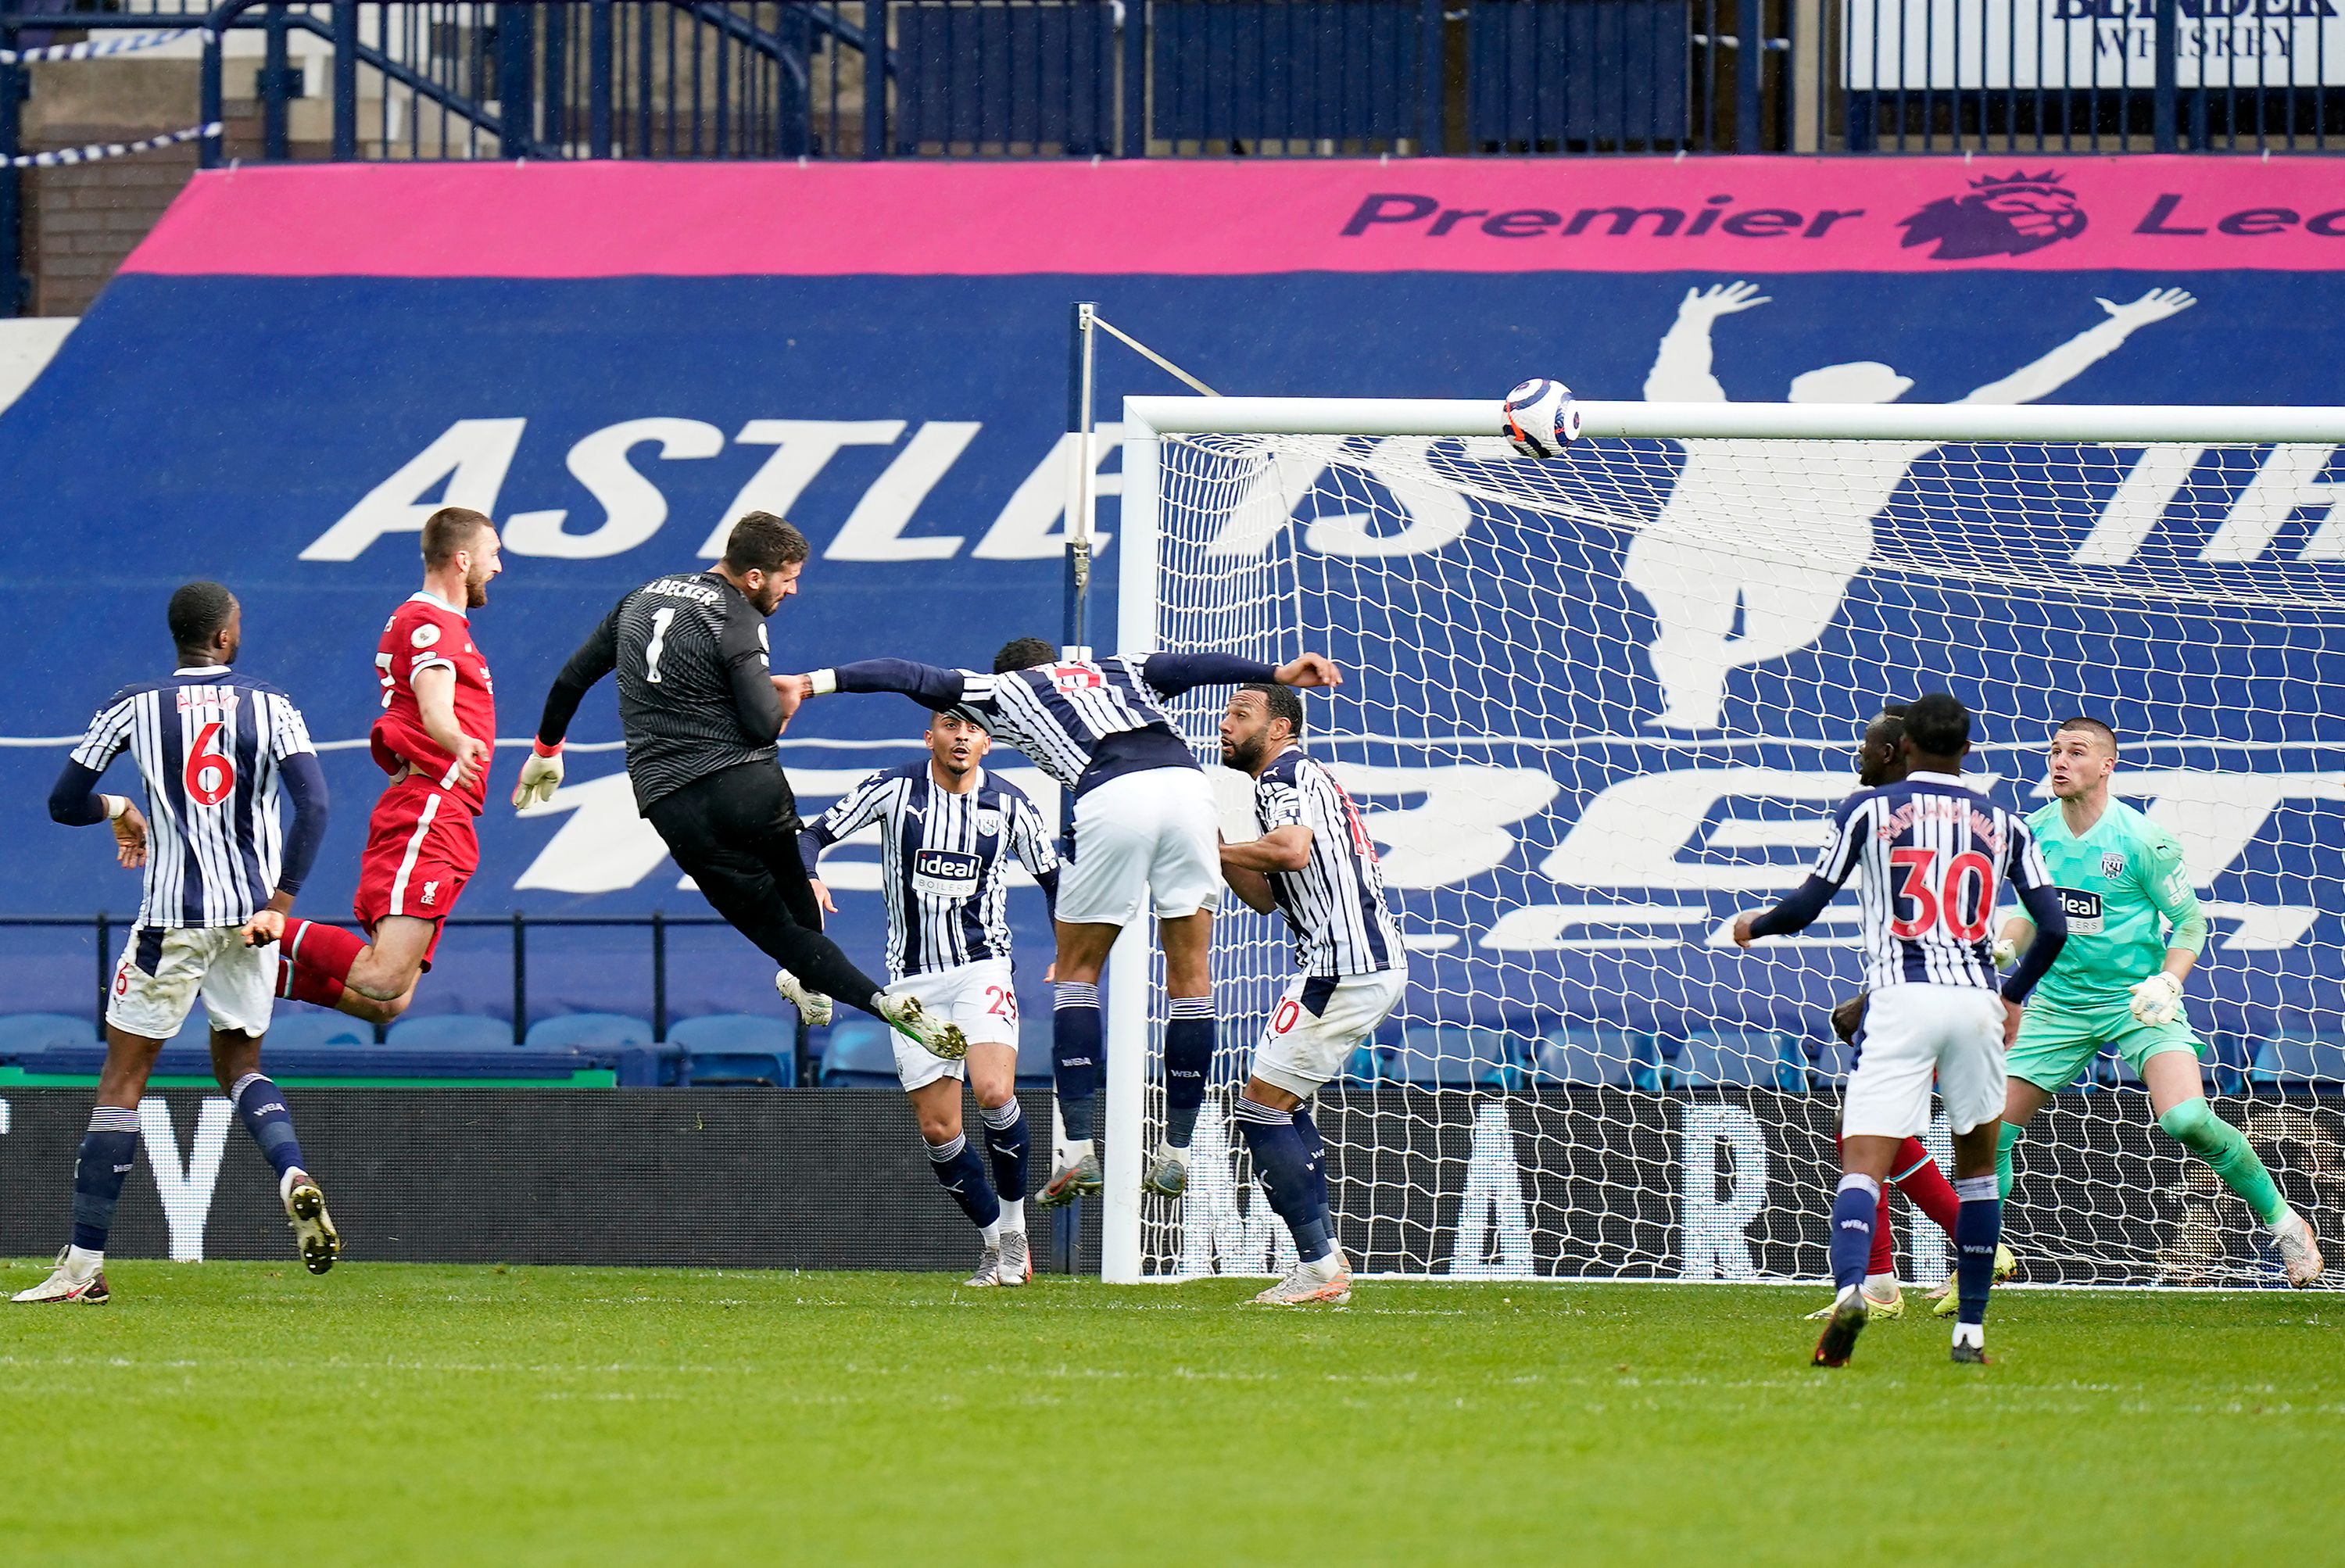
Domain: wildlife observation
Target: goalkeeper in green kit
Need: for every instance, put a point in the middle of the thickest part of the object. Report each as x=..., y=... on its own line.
x=2118, y=982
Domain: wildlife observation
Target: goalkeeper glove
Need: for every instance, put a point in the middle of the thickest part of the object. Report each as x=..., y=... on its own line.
x=2005, y=950
x=540, y=775
x=2157, y=999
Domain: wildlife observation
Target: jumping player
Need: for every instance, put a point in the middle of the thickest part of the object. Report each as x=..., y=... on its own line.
x=1145, y=829
x=1314, y=864
x=2118, y=983
x=947, y=832
x=701, y=712
x=436, y=737
x=1934, y=852
x=216, y=750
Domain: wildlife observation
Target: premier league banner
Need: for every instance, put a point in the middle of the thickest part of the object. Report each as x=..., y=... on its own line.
x=615, y=360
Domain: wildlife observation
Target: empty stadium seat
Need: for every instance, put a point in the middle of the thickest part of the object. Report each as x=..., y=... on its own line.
x=2301, y=1063
x=309, y=1029
x=1459, y=1058
x=862, y=1054
x=40, y=1031
x=735, y=1048
x=1588, y=1057
x=1743, y=1059
x=590, y=1032
x=1035, y=1068
x=2224, y=1071
x=1369, y=1066
x=451, y=1031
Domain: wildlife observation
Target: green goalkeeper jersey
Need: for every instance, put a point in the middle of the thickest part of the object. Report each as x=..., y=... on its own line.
x=2122, y=882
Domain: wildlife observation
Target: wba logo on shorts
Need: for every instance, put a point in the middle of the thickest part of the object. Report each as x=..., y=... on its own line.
x=945, y=873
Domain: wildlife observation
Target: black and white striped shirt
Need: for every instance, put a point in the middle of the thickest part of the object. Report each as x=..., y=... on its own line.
x=208, y=743
x=944, y=861
x=1335, y=902
x=1082, y=720
x=1935, y=856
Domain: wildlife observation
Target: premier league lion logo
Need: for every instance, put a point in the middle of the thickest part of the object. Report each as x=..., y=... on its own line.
x=2003, y=215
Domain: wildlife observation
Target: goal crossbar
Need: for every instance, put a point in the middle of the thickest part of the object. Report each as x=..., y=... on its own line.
x=2115, y=423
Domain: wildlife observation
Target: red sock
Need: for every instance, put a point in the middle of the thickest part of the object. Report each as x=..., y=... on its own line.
x=1885, y=1243
x=314, y=960
x=1926, y=1185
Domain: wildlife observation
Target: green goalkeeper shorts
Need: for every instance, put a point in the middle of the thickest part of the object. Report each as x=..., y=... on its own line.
x=2056, y=1044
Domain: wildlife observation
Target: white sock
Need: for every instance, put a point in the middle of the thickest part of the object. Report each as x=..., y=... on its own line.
x=1078, y=1150
x=992, y=1233
x=1013, y=1215
x=1880, y=1286
x=81, y=1263
x=1328, y=1267
x=1178, y=1155
x=1972, y=1334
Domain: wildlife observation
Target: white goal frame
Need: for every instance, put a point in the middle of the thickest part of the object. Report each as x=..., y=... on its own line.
x=1146, y=420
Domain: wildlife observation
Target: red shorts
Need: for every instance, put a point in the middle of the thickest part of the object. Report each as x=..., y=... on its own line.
x=420, y=851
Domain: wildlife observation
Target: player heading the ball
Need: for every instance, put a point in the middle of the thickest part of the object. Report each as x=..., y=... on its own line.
x=1934, y=853
x=1146, y=827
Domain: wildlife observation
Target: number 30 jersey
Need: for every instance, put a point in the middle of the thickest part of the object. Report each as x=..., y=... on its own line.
x=208, y=743
x=1935, y=855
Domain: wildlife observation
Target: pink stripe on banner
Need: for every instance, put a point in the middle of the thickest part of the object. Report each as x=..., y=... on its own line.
x=1199, y=217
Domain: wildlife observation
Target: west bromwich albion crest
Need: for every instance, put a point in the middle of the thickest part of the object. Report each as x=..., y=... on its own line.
x=2113, y=865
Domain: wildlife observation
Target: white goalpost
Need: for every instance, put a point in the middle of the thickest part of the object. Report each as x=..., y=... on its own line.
x=1595, y=704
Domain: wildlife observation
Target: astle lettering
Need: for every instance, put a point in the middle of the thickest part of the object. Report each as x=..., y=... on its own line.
x=1608, y=222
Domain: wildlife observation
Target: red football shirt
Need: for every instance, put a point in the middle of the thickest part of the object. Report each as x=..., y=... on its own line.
x=422, y=633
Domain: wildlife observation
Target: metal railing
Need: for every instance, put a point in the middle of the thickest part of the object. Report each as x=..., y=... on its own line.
x=105, y=928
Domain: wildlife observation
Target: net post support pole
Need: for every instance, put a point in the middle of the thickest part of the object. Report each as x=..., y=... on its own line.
x=1129, y=972
x=1080, y=463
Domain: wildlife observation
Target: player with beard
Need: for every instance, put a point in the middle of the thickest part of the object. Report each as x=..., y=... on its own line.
x=435, y=737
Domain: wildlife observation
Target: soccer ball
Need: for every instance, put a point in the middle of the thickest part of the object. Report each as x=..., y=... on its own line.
x=1540, y=418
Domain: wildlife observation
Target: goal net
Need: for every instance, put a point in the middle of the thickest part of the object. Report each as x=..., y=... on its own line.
x=1595, y=705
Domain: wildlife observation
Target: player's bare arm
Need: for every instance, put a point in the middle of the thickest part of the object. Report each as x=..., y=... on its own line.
x=129, y=831
x=1287, y=848
x=435, y=699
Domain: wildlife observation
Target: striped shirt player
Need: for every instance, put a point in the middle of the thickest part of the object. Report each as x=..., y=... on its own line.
x=1145, y=829
x=949, y=831
x=219, y=752
x=1931, y=856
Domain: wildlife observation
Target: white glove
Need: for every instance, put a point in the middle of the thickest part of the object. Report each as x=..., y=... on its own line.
x=2157, y=999
x=540, y=775
x=2005, y=950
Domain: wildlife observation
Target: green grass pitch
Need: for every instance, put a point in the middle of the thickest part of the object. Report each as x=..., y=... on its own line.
x=392, y=1413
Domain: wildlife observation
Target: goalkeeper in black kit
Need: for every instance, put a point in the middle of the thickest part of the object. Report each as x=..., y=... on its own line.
x=701, y=712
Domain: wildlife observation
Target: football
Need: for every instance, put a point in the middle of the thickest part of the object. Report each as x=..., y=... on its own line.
x=1541, y=417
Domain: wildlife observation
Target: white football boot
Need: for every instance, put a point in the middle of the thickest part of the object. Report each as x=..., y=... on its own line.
x=1328, y=1281
x=938, y=1036
x=2300, y=1249
x=1017, y=1259
x=814, y=1007
x=66, y=1285
x=313, y=1228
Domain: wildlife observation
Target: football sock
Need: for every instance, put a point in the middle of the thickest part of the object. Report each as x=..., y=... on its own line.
x=263, y=1111
x=1283, y=1161
x=1009, y=1145
x=1925, y=1185
x=1075, y=1032
x=961, y=1173
x=2195, y=1125
x=1315, y=1153
x=2005, y=1142
x=1188, y=1061
x=1851, y=1232
x=1978, y=1228
x=314, y=961
x=109, y=1149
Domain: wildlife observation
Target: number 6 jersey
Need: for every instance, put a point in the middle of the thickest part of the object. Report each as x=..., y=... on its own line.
x=208, y=743
x=1935, y=855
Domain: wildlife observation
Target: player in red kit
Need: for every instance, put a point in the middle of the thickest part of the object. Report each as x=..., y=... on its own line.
x=436, y=738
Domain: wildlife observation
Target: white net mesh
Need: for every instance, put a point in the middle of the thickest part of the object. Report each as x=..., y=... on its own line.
x=1596, y=704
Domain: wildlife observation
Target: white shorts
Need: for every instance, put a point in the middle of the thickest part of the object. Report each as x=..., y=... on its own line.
x=1155, y=832
x=1319, y=1023
x=982, y=998
x=1912, y=1033
x=161, y=973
